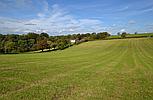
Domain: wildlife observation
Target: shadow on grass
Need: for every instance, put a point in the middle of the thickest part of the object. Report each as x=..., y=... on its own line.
x=45, y=51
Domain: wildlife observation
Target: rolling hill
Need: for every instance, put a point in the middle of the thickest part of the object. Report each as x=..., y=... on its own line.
x=104, y=70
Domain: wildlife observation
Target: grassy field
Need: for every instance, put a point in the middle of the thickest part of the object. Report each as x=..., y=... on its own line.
x=139, y=35
x=132, y=36
x=98, y=70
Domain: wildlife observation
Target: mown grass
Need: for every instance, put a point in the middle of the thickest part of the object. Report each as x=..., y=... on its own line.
x=139, y=35
x=142, y=35
x=97, y=70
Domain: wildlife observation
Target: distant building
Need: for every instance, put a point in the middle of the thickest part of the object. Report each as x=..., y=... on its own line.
x=72, y=41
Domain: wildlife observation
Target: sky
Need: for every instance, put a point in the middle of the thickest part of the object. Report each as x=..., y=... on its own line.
x=61, y=17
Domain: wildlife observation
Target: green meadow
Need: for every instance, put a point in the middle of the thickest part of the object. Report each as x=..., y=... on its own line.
x=97, y=70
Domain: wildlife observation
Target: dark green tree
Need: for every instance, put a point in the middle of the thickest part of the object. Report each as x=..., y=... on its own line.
x=118, y=33
x=44, y=35
x=42, y=44
x=9, y=47
x=123, y=35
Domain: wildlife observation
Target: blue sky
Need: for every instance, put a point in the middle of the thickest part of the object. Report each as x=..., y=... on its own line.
x=58, y=17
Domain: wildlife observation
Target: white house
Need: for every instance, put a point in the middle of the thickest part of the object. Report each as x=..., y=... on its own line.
x=72, y=41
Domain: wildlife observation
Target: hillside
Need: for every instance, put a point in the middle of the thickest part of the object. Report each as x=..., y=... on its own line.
x=104, y=69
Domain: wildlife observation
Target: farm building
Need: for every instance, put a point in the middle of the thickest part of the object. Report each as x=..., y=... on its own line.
x=72, y=41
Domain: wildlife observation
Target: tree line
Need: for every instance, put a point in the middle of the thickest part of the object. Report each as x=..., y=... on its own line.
x=14, y=43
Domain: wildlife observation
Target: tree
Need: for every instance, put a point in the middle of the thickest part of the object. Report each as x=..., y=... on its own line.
x=136, y=33
x=9, y=47
x=22, y=46
x=32, y=36
x=93, y=36
x=123, y=35
x=54, y=45
x=2, y=43
x=44, y=35
x=1, y=37
x=1, y=47
x=42, y=44
x=102, y=35
x=30, y=43
x=118, y=33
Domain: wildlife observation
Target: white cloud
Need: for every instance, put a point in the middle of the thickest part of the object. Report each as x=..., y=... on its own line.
x=45, y=10
x=40, y=15
x=148, y=10
x=132, y=22
x=123, y=9
x=53, y=21
x=122, y=30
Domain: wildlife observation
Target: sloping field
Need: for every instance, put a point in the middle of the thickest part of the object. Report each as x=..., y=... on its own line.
x=102, y=70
